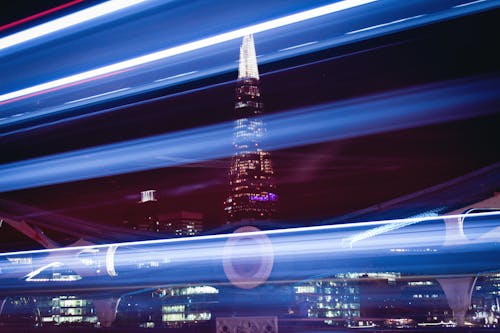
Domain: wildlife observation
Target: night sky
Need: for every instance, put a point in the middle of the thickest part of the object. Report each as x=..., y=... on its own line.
x=315, y=181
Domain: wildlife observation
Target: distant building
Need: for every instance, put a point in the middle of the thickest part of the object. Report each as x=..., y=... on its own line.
x=335, y=300
x=393, y=300
x=252, y=194
x=66, y=311
x=188, y=305
x=147, y=211
x=485, y=305
x=18, y=311
x=139, y=309
x=379, y=295
x=424, y=301
x=383, y=299
x=180, y=223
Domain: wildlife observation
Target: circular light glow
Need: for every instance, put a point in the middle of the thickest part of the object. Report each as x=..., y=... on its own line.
x=110, y=260
x=248, y=259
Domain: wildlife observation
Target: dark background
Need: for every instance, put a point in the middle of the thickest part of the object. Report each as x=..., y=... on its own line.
x=315, y=181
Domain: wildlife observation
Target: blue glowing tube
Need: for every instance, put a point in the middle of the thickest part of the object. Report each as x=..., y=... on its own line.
x=406, y=108
x=272, y=24
x=249, y=258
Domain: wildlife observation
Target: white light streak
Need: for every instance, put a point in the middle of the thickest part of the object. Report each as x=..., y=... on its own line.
x=405, y=108
x=297, y=46
x=95, y=96
x=384, y=24
x=175, y=76
x=284, y=232
x=389, y=227
x=66, y=22
x=188, y=47
x=468, y=3
x=31, y=277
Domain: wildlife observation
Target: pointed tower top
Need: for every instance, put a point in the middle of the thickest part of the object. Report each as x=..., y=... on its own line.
x=248, y=59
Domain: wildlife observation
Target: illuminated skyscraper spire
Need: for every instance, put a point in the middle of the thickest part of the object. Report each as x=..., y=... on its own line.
x=248, y=59
x=252, y=194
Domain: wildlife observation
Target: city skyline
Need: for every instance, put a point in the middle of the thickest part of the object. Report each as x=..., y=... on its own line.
x=335, y=177
x=283, y=167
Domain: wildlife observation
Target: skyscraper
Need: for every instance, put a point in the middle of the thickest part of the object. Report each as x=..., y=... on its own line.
x=252, y=194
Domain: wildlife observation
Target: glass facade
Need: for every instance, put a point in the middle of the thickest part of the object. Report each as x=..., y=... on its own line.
x=334, y=300
x=66, y=310
x=485, y=303
x=186, y=306
x=251, y=177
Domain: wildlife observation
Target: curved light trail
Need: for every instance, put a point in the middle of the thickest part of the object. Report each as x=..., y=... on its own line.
x=147, y=70
x=170, y=52
x=407, y=108
x=295, y=253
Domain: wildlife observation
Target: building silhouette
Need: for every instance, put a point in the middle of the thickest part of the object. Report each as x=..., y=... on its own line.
x=173, y=224
x=147, y=212
x=252, y=194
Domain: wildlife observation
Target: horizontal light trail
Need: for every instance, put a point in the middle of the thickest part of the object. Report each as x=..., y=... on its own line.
x=175, y=76
x=67, y=21
x=294, y=253
x=298, y=46
x=425, y=105
x=96, y=96
x=188, y=47
x=349, y=227
x=199, y=75
x=468, y=3
x=69, y=84
x=377, y=231
x=222, y=68
x=384, y=24
x=39, y=15
x=62, y=108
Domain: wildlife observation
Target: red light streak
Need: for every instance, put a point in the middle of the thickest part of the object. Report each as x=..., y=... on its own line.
x=38, y=15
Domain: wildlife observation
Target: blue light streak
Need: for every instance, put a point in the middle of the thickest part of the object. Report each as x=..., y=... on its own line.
x=312, y=250
x=350, y=227
x=309, y=37
x=385, y=24
x=65, y=22
x=424, y=105
x=187, y=47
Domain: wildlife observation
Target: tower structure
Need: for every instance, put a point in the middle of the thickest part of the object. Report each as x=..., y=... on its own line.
x=252, y=194
x=147, y=211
